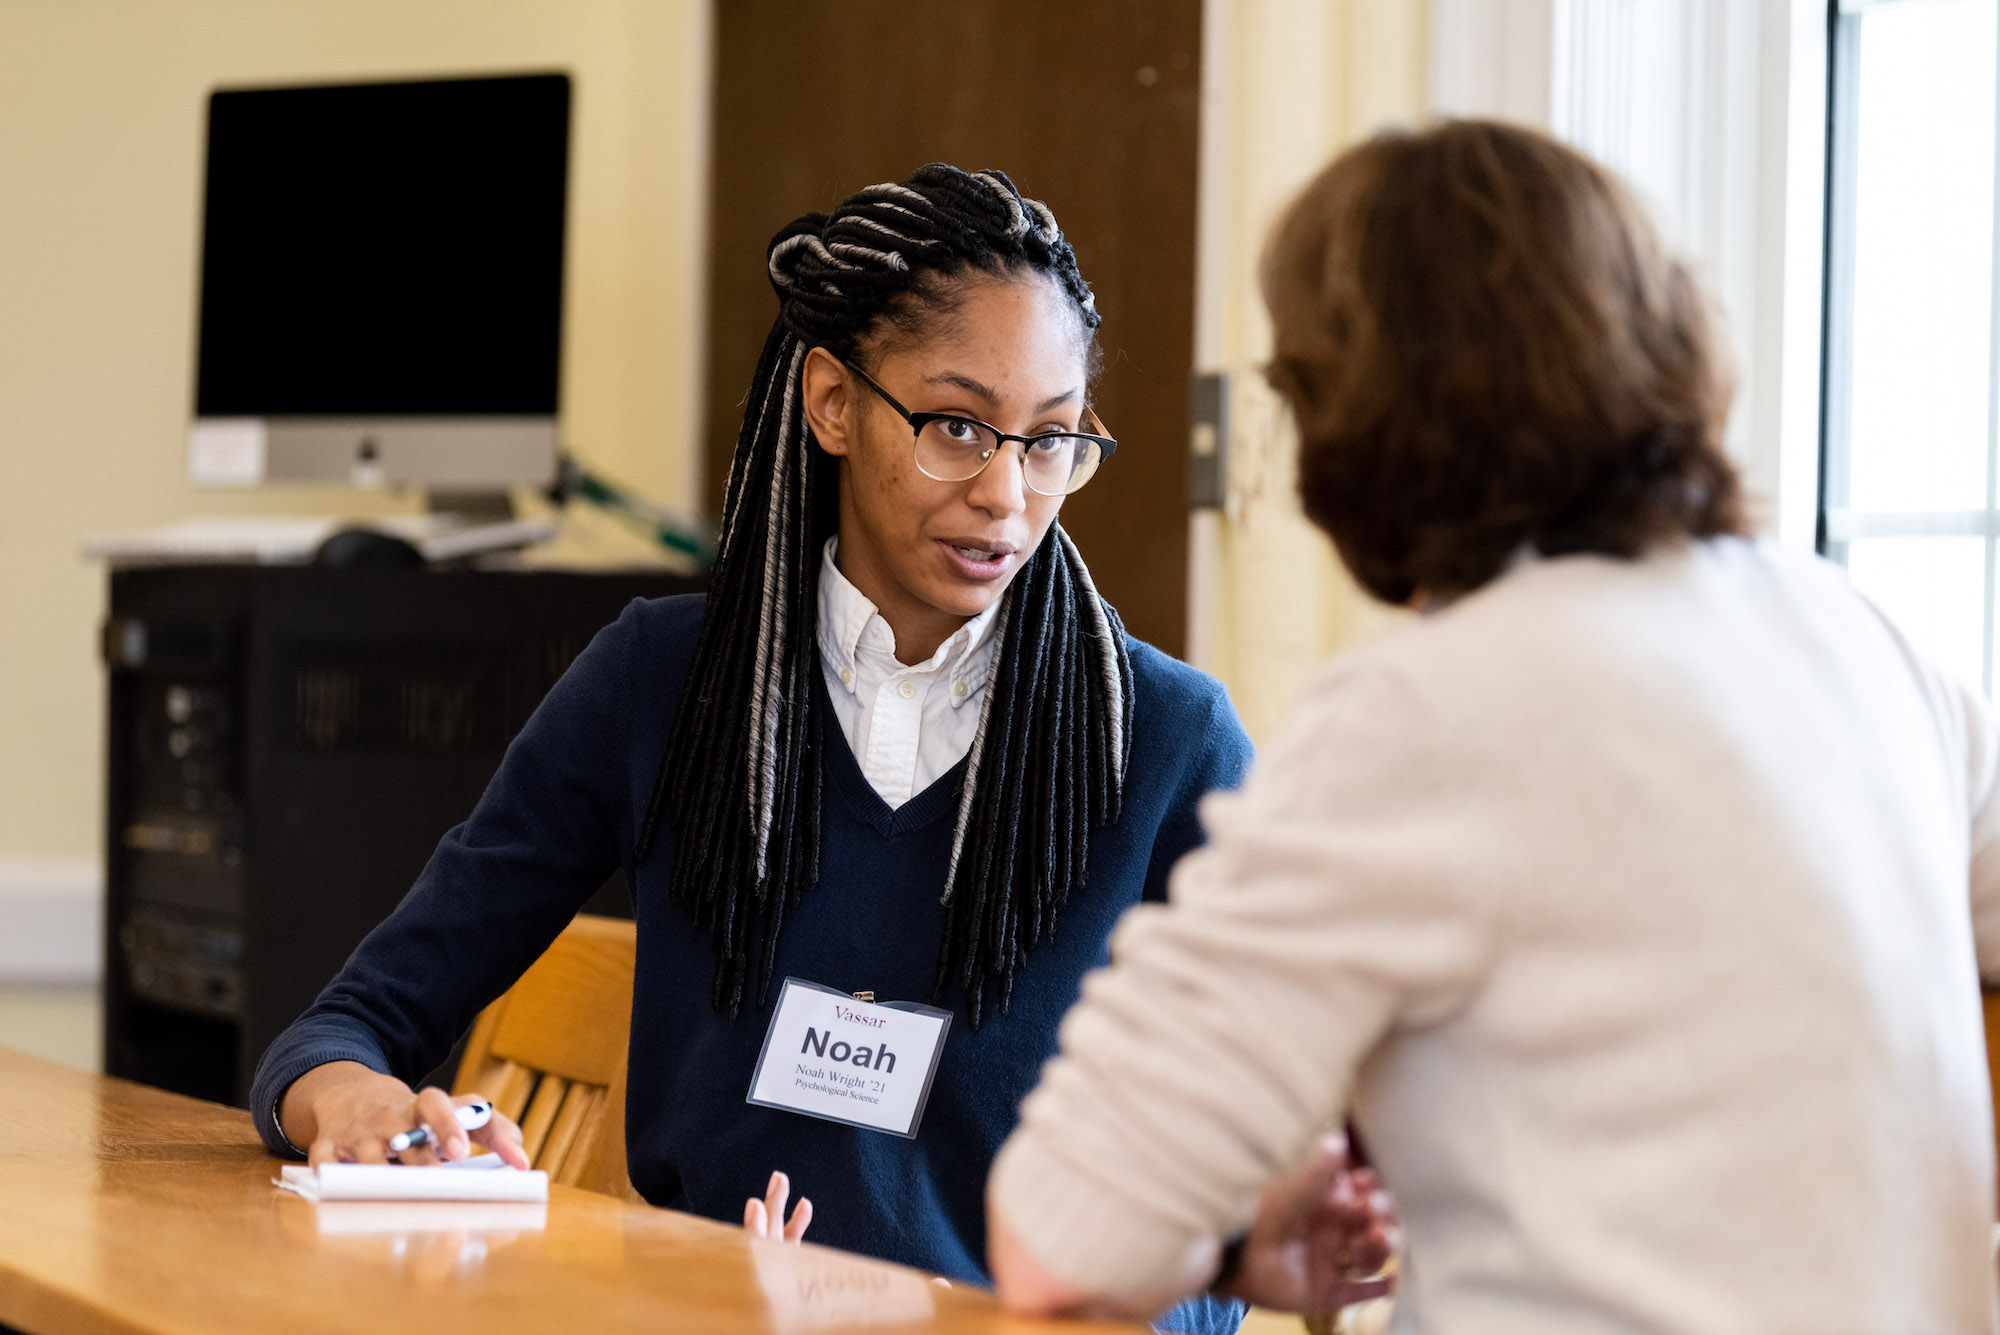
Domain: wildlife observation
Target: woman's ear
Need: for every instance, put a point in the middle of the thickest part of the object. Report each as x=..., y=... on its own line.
x=829, y=402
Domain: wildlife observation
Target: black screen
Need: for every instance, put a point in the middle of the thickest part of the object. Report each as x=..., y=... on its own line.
x=384, y=249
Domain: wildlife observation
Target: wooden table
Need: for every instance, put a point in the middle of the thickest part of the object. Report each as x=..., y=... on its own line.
x=127, y=1209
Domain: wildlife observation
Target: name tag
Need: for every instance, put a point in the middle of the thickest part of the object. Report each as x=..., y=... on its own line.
x=864, y=1063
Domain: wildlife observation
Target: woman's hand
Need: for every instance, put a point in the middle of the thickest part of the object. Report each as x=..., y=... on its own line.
x=766, y=1218
x=1322, y=1233
x=345, y=1113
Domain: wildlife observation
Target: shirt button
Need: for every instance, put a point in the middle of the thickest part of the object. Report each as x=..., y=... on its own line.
x=846, y=675
x=906, y=689
x=958, y=689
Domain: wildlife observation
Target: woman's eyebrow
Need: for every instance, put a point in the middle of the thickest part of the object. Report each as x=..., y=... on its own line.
x=971, y=386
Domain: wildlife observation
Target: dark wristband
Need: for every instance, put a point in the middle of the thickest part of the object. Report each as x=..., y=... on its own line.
x=1232, y=1262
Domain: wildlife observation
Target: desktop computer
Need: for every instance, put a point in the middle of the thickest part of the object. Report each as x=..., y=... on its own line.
x=382, y=285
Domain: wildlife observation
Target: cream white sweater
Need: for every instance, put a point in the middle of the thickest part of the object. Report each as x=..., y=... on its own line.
x=1626, y=904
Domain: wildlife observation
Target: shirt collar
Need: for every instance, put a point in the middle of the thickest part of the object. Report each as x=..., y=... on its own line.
x=851, y=629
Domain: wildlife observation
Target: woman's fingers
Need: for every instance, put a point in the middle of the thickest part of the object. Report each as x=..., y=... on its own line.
x=503, y=1137
x=418, y=1156
x=1291, y=1201
x=1362, y=1220
x=354, y=1119
x=802, y=1217
x=1383, y=1233
x=439, y=1112
x=447, y=1138
x=766, y=1218
x=776, y=1193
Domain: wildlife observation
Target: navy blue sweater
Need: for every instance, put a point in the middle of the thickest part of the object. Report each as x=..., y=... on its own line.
x=563, y=812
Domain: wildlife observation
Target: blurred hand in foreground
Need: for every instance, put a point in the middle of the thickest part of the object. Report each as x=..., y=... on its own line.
x=766, y=1218
x=1322, y=1234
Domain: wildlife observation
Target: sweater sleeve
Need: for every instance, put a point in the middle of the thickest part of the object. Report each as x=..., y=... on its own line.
x=544, y=836
x=1226, y=1031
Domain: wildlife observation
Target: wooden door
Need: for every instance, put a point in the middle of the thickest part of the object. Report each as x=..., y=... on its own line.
x=1090, y=105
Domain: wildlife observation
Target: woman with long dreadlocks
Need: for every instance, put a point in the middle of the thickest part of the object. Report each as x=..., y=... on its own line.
x=901, y=751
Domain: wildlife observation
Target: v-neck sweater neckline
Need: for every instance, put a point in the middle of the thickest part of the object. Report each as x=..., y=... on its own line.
x=844, y=775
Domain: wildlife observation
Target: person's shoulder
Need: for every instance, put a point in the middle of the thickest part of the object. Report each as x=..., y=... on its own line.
x=1186, y=738
x=1165, y=683
x=1184, y=721
x=676, y=612
x=647, y=649
x=664, y=626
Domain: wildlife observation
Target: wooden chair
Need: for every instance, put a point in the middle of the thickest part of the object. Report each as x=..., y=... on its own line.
x=551, y=1054
x=1993, y=1053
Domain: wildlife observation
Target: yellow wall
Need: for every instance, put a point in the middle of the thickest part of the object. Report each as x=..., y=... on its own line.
x=1292, y=83
x=101, y=115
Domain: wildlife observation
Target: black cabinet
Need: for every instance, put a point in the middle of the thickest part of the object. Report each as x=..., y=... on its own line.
x=287, y=745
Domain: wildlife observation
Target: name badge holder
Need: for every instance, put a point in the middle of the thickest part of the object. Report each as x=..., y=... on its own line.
x=863, y=1063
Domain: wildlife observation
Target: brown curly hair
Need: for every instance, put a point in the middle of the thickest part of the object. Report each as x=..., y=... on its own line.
x=1488, y=349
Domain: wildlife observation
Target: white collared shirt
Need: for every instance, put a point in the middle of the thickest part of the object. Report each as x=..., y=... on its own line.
x=905, y=725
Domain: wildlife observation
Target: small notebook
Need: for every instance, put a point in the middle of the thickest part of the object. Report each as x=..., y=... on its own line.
x=481, y=1178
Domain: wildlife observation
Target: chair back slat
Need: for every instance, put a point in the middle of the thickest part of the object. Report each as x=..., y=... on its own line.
x=562, y=1136
x=510, y=1089
x=597, y=1160
x=542, y=1109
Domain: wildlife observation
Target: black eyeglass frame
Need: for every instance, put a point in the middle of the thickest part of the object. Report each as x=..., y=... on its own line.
x=1107, y=445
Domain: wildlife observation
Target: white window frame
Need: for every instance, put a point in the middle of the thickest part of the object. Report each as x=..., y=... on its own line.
x=1838, y=524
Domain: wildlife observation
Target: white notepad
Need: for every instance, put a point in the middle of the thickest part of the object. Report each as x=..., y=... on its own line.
x=481, y=1178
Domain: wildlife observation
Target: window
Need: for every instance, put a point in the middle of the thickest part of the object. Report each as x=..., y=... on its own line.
x=1908, y=497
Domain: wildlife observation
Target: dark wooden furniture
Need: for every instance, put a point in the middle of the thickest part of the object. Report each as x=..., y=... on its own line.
x=287, y=745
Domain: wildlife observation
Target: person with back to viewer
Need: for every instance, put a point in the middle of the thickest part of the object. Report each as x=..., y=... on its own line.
x=1635, y=897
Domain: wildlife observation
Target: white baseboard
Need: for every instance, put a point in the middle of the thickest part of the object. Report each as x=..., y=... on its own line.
x=51, y=920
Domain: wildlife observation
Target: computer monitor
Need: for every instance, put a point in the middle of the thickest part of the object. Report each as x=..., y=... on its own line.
x=381, y=284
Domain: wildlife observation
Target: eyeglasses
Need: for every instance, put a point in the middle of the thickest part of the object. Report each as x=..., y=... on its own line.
x=954, y=448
